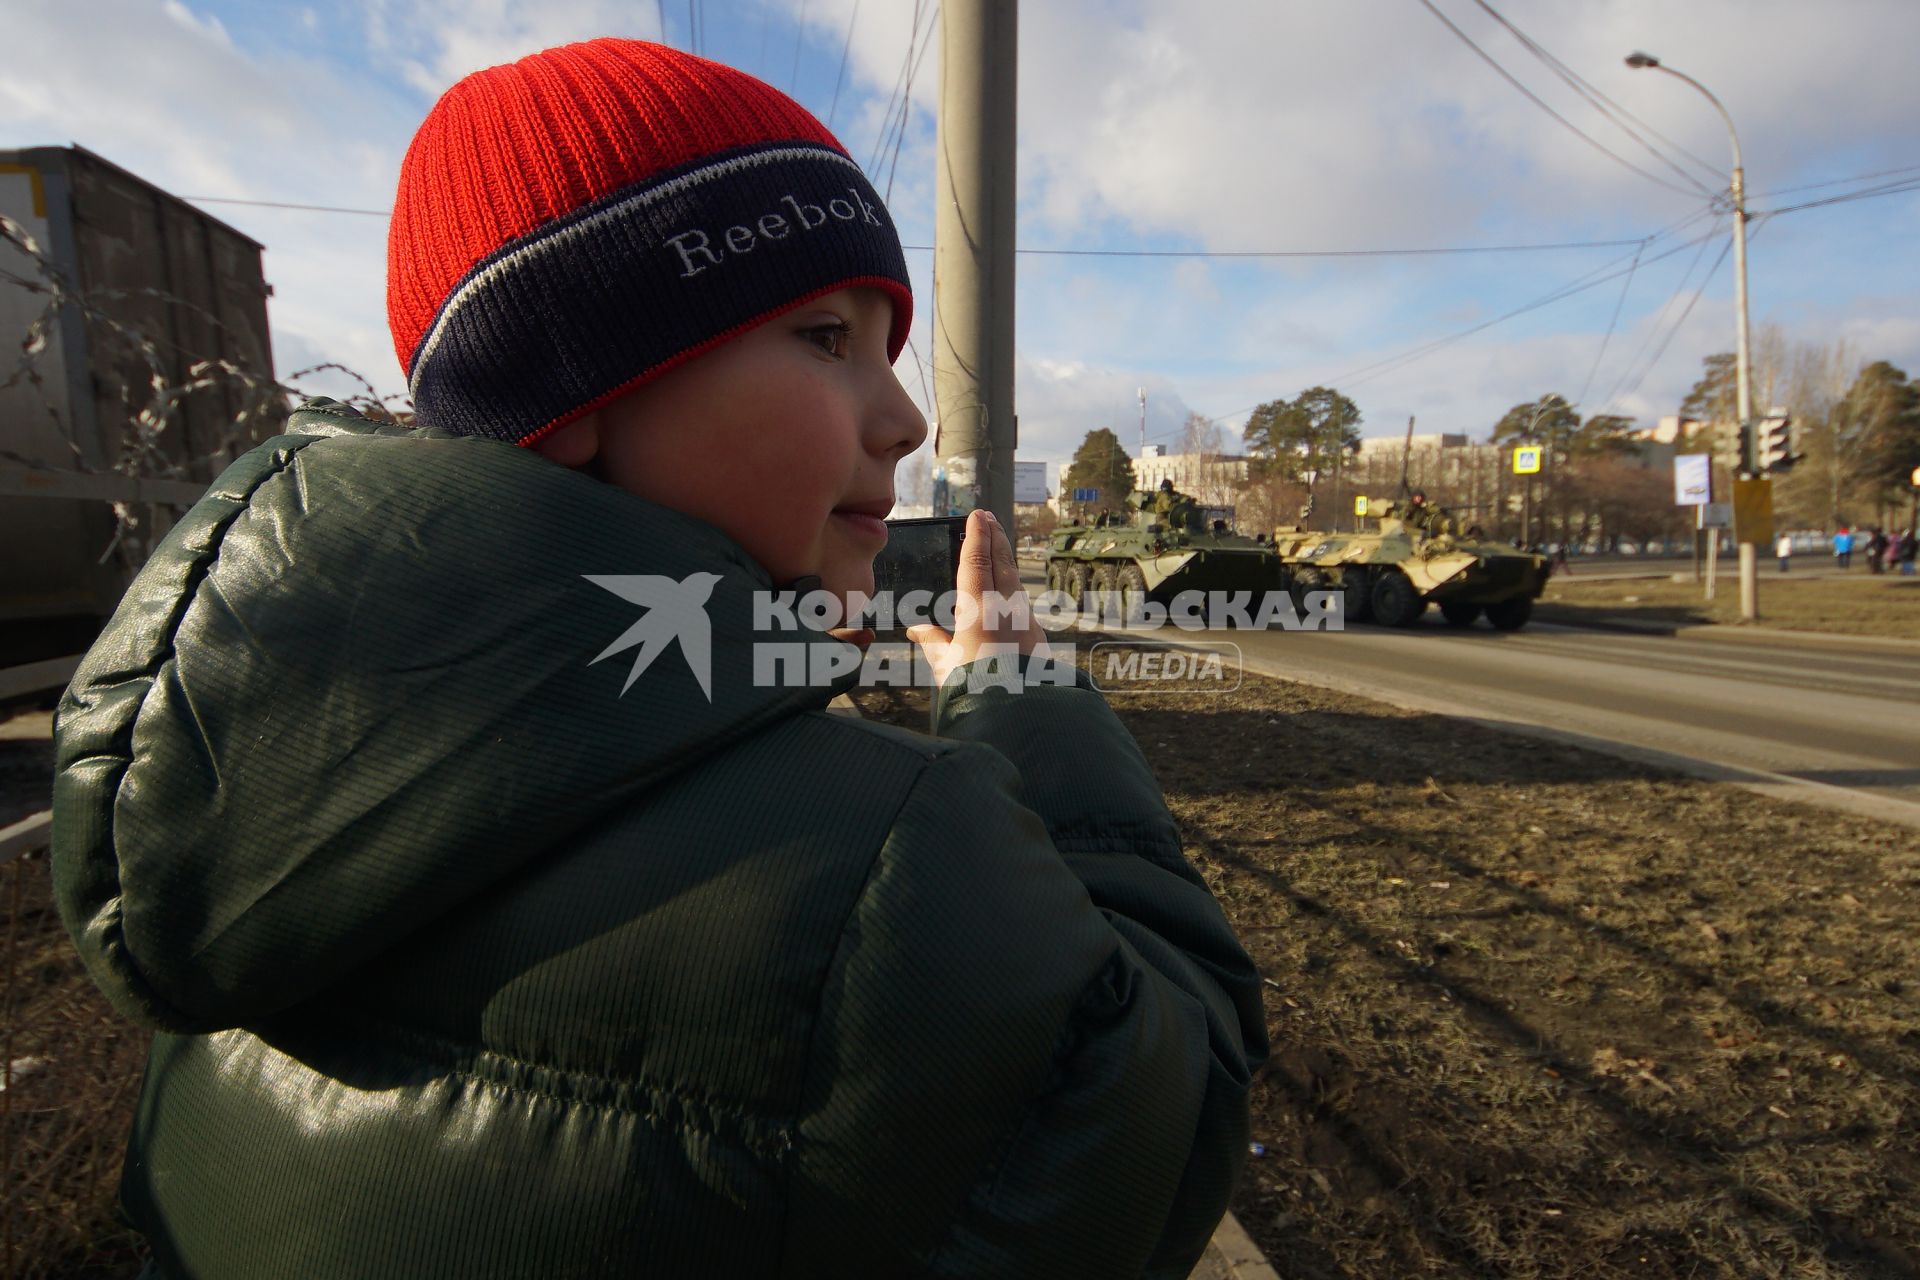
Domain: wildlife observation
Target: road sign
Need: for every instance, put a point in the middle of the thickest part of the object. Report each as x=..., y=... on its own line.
x=1029, y=482
x=1716, y=515
x=1360, y=502
x=1086, y=495
x=1692, y=479
x=1753, y=510
x=1526, y=459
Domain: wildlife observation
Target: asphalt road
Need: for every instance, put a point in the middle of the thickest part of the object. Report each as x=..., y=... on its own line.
x=1779, y=709
x=1842, y=714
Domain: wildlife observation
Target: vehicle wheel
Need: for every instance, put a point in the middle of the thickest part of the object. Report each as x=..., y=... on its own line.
x=1459, y=613
x=1395, y=602
x=1053, y=576
x=1133, y=594
x=1359, y=597
x=1106, y=585
x=1303, y=581
x=1078, y=579
x=1511, y=615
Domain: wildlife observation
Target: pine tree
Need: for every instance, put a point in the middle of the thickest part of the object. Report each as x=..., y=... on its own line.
x=1882, y=416
x=1287, y=437
x=1100, y=463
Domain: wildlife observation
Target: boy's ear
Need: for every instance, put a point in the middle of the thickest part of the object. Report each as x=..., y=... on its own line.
x=574, y=445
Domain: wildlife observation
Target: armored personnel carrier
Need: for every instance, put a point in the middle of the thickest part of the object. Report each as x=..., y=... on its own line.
x=1417, y=556
x=1161, y=547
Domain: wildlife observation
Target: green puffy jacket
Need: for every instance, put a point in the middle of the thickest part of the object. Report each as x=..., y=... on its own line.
x=468, y=963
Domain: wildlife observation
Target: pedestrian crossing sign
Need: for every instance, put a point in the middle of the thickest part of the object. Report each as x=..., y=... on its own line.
x=1360, y=505
x=1526, y=459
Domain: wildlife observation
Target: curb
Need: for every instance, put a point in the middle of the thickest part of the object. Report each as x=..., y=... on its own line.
x=1735, y=631
x=1726, y=631
x=1232, y=1255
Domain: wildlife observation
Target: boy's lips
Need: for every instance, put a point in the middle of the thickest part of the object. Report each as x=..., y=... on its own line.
x=867, y=519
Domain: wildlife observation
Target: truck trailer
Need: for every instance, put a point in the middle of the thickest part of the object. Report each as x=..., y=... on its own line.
x=129, y=297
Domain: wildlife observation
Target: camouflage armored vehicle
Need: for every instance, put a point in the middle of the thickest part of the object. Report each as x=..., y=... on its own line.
x=1161, y=547
x=1418, y=556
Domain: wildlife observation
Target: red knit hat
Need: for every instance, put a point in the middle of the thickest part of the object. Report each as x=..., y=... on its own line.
x=577, y=222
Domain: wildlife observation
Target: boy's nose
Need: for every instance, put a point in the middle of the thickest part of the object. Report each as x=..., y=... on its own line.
x=900, y=427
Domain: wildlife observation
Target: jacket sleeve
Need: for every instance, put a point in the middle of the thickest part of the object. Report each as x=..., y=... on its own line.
x=1037, y=1036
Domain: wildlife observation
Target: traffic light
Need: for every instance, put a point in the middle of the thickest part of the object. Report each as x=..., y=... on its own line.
x=1734, y=451
x=1776, y=444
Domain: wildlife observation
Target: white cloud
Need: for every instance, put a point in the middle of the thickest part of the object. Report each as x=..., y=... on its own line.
x=1244, y=125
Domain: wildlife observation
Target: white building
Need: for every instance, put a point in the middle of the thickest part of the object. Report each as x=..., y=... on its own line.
x=1431, y=442
x=1208, y=478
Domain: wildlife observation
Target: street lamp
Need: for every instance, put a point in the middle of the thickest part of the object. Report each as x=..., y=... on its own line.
x=1749, y=563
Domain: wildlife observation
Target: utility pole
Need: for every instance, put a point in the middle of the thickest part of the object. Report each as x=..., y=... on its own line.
x=1743, y=359
x=973, y=253
x=1143, y=422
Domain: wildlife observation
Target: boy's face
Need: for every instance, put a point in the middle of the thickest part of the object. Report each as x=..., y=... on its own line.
x=786, y=438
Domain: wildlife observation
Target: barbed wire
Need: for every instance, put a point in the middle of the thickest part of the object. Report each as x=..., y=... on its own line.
x=149, y=397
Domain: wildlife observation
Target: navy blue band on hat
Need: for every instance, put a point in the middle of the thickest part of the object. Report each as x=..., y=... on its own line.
x=562, y=320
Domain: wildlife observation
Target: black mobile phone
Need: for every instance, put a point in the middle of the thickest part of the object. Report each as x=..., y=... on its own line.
x=920, y=556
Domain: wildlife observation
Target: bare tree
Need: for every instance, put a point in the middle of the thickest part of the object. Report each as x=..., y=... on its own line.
x=1202, y=440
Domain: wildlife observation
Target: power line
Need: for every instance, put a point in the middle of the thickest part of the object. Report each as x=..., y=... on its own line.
x=906, y=102
x=1889, y=189
x=1579, y=284
x=1315, y=253
x=1619, y=385
x=841, y=78
x=1835, y=182
x=1607, y=337
x=1604, y=105
x=1678, y=321
x=281, y=204
x=799, y=38
x=900, y=78
x=1537, y=101
x=1094, y=253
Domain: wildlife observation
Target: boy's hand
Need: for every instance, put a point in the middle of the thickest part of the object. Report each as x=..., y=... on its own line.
x=991, y=613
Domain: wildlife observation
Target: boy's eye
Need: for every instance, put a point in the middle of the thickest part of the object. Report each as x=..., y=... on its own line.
x=831, y=338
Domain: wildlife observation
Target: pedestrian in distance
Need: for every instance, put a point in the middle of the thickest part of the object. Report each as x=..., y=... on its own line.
x=1876, y=549
x=1784, y=549
x=1843, y=547
x=1909, y=545
x=498, y=910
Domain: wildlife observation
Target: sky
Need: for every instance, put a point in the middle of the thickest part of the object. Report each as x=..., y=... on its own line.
x=1147, y=128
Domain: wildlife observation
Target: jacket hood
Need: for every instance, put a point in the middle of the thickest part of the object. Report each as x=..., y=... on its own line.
x=370, y=675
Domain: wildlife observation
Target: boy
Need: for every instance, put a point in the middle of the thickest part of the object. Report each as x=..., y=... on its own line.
x=475, y=955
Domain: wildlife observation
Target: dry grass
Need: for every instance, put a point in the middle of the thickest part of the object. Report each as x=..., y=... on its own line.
x=69, y=1101
x=1540, y=1013
x=1857, y=603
